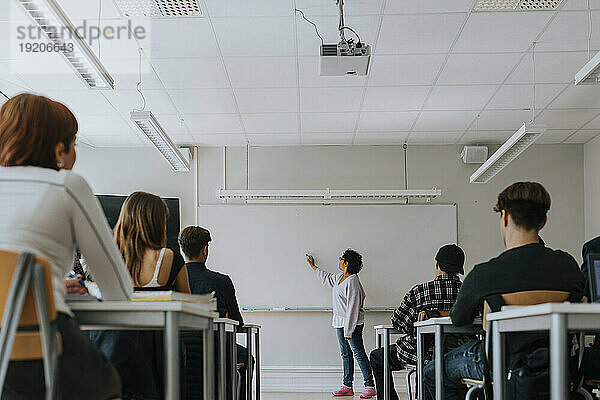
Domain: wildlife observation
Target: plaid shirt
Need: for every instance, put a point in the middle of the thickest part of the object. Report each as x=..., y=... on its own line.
x=438, y=294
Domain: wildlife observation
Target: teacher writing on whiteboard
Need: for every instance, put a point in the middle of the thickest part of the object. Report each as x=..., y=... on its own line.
x=348, y=319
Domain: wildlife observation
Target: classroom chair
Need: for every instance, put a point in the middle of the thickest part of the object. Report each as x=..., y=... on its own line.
x=28, y=331
x=525, y=298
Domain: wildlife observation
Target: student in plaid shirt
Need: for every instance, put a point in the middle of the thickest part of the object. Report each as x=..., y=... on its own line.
x=436, y=295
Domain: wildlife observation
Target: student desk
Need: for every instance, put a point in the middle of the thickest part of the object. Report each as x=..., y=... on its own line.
x=252, y=331
x=558, y=319
x=385, y=331
x=438, y=327
x=168, y=316
x=225, y=326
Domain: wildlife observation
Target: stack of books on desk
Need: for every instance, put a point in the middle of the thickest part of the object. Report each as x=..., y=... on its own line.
x=171, y=295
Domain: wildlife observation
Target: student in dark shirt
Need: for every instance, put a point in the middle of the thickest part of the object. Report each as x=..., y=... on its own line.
x=526, y=265
x=193, y=241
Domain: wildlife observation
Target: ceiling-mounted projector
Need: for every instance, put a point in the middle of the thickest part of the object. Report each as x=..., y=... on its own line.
x=345, y=58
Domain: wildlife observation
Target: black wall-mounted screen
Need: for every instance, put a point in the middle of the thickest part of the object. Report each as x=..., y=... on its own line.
x=111, y=205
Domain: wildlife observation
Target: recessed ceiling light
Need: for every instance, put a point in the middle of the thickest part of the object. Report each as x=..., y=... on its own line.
x=516, y=5
x=159, y=8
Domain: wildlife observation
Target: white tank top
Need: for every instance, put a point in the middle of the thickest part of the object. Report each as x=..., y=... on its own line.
x=154, y=281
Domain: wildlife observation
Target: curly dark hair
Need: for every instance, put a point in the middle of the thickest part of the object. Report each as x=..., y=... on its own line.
x=354, y=261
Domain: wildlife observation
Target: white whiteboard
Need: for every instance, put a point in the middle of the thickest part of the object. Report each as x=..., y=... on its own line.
x=262, y=248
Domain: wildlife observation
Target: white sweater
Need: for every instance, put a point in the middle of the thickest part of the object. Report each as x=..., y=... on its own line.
x=49, y=213
x=348, y=300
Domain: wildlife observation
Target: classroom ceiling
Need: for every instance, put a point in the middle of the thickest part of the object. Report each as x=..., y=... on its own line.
x=247, y=72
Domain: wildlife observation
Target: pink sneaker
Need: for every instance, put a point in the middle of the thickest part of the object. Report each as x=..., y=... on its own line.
x=368, y=392
x=343, y=391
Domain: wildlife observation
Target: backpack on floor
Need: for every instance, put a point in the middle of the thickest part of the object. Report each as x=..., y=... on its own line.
x=528, y=378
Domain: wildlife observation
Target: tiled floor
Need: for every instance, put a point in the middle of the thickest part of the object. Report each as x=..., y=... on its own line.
x=309, y=396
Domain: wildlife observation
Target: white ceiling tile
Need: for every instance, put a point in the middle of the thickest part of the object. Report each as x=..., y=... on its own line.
x=404, y=70
x=210, y=101
x=580, y=5
x=83, y=102
x=327, y=139
x=478, y=68
x=255, y=8
x=12, y=11
x=520, y=96
x=122, y=140
x=380, y=138
x=444, y=120
x=253, y=72
x=309, y=75
x=174, y=127
x=213, y=123
x=355, y=7
x=330, y=99
x=549, y=68
x=273, y=139
x=499, y=120
x=251, y=36
x=10, y=88
x=399, y=98
x=582, y=96
x=181, y=37
x=46, y=74
x=271, y=123
x=473, y=137
x=554, y=136
x=594, y=124
x=569, y=32
x=328, y=122
x=125, y=101
x=583, y=136
x=386, y=121
x=459, y=97
x=427, y=6
x=94, y=125
x=434, y=137
x=191, y=73
x=501, y=31
x=267, y=100
x=309, y=43
x=565, y=119
x=10, y=81
x=126, y=74
x=222, y=139
x=77, y=9
x=425, y=33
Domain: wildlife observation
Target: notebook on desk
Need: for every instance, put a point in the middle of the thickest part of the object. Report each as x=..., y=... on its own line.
x=171, y=295
x=594, y=276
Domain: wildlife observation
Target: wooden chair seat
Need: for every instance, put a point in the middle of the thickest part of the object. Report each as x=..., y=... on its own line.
x=28, y=346
x=593, y=382
x=471, y=382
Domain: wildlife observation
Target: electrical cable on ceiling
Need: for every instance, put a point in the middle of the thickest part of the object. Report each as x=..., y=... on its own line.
x=4, y=94
x=533, y=70
x=589, y=39
x=99, y=28
x=140, y=83
x=353, y=31
x=312, y=23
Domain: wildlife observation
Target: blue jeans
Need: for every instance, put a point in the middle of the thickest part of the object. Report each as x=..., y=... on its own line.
x=462, y=362
x=356, y=347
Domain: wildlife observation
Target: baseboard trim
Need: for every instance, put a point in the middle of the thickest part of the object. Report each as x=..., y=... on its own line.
x=314, y=379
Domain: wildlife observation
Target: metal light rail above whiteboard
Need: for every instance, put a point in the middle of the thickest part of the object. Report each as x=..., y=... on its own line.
x=309, y=309
x=326, y=195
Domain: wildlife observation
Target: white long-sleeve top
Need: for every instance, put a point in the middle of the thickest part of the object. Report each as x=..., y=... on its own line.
x=49, y=213
x=348, y=300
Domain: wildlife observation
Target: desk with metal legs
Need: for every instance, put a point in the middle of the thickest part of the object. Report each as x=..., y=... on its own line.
x=226, y=327
x=438, y=327
x=167, y=316
x=384, y=331
x=252, y=333
x=557, y=318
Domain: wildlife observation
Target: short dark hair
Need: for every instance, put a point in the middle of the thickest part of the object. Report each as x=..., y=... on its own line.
x=526, y=202
x=192, y=240
x=354, y=261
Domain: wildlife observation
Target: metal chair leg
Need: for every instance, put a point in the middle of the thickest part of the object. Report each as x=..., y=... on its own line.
x=12, y=311
x=239, y=384
x=472, y=390
x=408, y=385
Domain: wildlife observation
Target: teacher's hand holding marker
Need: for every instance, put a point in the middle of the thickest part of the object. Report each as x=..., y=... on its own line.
x=348, y=318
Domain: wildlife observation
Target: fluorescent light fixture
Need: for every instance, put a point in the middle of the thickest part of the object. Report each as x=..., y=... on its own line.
x=159, y=138
x=326, y=195
x=159, y=8
x=590, y=73
x=515, y=5
x=515, y=145
x=55, y=24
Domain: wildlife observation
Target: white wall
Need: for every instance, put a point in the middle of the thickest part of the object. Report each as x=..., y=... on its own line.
x=305, y=340
x=591, y=172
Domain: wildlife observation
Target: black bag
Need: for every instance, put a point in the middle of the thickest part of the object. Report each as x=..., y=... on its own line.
x=528, y=377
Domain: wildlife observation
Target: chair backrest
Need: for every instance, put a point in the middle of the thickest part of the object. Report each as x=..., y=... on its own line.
x=528, y=298
x=423, y=315
x=8, y=264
